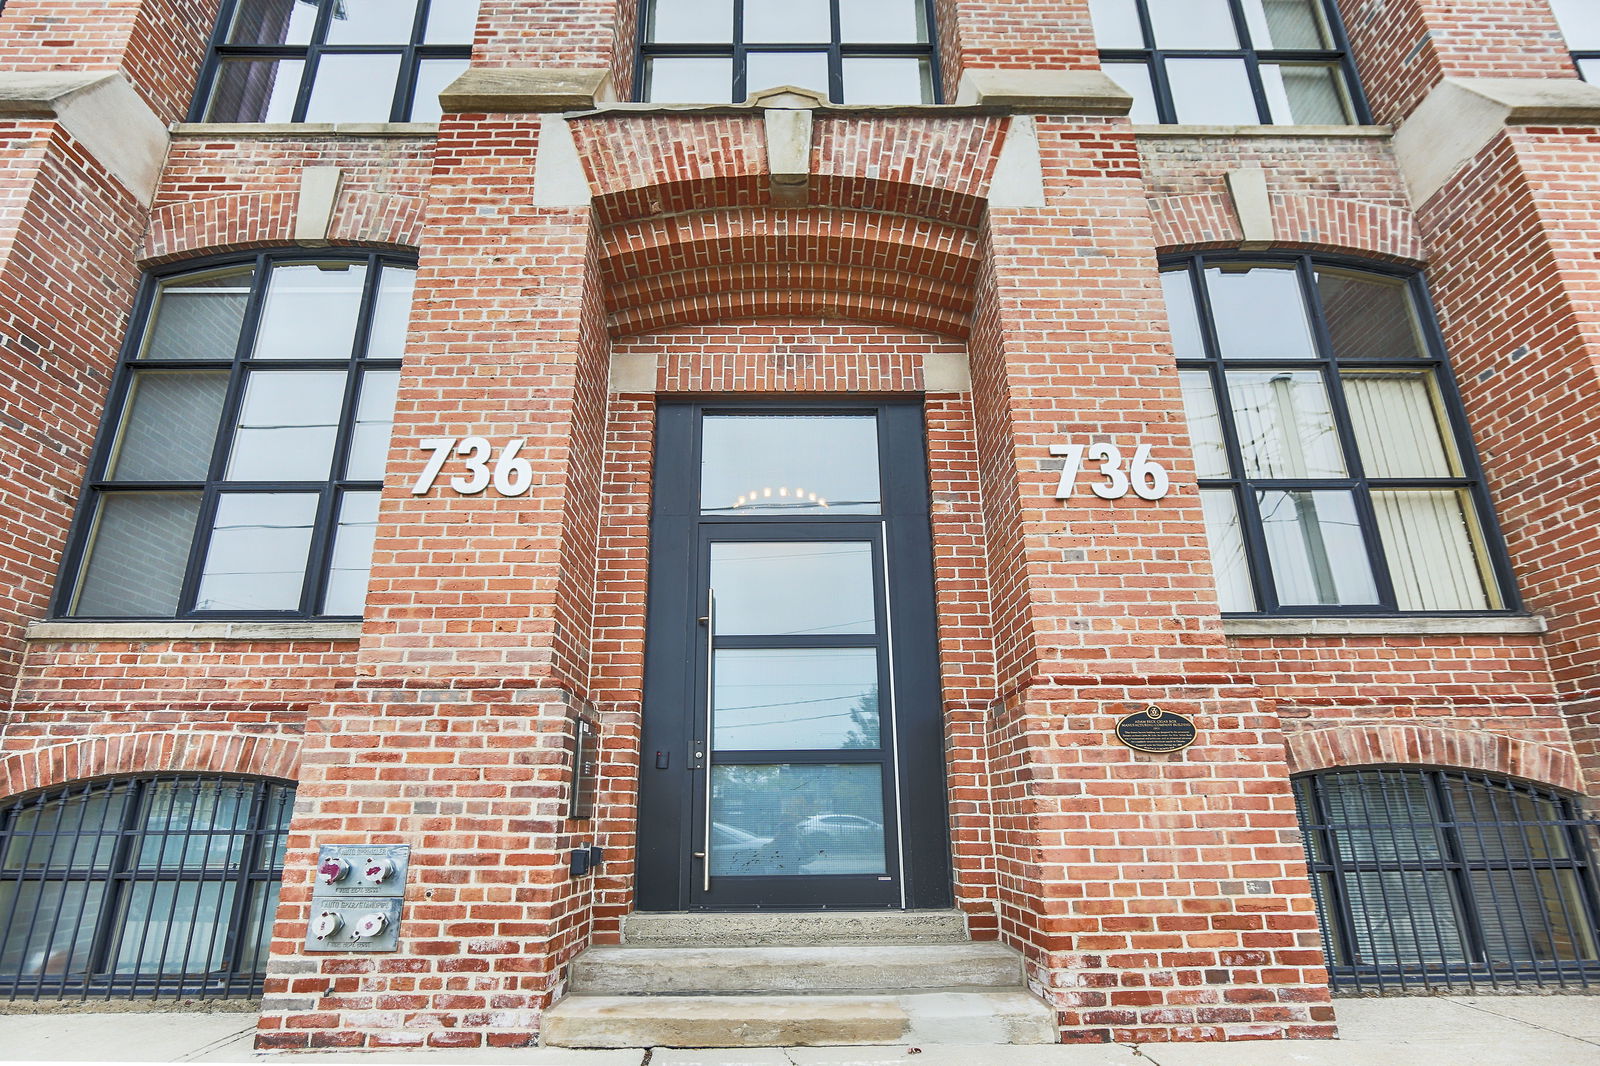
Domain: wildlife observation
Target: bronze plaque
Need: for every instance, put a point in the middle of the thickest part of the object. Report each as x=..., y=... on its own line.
x=1155, y=730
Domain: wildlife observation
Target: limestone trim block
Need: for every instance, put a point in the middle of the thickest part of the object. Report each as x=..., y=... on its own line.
x=510, y=90
x=103, y=112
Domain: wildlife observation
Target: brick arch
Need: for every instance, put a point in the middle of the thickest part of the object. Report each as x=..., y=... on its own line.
x=146, y=753
x=1301, y=223
x=1374, y=743
x=243, y=221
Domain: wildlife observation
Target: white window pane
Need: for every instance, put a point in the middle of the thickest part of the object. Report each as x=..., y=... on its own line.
x=1193, y=24
x=1306, y=94
x=1116, y=23
x=1212, y=92
x=1285, y=424
x=1135, y=78
x=1432, y=548
x=354, y=88
x=803, y=70
x=775, y=588
x=690, y=22
x=287, y=426
x=689, y=80
x=137, y=555
x=787, y=464
x=311, y=311
x=1182, y=315
x=352, y=554
x=1399, y=424
x=1205, y=424
x=391, y=318
x=169, y=427
x=1296, y=24
x=433, y=77
x=1589, y=69
x=787, y=22
x=369, y=443
x=172, y=927
x=796, y=698
x=790, y=820
x=272, y=22
x=1369, y=316
x=881, y=22
x=198, y=316
x=887, y=80
x=371, y=21
x=257, y=557
x=255, y=90
x=1317, y=550
x=1259, y=312
x=1229, y=564
x=451, y=22
x=1580, y=23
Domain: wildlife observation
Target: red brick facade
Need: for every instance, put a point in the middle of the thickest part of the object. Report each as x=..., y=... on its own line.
x=441, y=721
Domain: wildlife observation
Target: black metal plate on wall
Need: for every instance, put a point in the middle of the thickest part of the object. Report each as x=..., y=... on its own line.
x=1156, y=731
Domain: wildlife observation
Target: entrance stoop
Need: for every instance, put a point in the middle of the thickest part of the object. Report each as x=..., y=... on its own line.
x=815, y=978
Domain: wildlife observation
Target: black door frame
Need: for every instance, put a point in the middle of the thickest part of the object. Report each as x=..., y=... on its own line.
x=675, y=645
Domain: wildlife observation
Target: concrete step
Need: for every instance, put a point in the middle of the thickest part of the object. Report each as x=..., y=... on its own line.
x=656, y=971
x=582, y=1021
x=744, y=929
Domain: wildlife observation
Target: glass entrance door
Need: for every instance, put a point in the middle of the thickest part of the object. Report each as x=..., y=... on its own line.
x=775, y=668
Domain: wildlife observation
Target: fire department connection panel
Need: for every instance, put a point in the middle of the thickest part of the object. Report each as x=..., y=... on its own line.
x=355, y=905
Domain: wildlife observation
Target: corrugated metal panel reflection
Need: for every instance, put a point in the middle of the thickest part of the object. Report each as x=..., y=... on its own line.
x=141, y=888
x=1448, y=878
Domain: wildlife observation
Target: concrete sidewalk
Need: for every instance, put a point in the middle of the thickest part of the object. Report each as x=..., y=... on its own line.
x=1443, y=1031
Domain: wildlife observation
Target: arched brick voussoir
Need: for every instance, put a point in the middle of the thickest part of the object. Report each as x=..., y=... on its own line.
x=1350, y=227
x=773, y=303
x=147, y=753
x=849, y=238
x=241, y=221
x=1375, y=743
x=215, y=224
x=820, y=278
x=1190, y=223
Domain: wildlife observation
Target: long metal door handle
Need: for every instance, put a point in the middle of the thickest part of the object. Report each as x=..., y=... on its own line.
x=711, y=637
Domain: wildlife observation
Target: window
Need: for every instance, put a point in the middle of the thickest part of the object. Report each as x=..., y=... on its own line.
x=1333, y=465
x=240, y=463
x=1580, y=24
x=334, y=60
x=1438, y=877
x=141, y=887
x=1230, y=62
x=854, y=51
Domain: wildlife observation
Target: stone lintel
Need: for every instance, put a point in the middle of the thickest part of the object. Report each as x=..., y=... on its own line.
x=103, y=112
x=1462, y=115
x=1044, y=91
x=511, y=90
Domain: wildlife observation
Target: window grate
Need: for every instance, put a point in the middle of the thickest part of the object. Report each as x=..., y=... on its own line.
x=1450, y=879
x=141, y=888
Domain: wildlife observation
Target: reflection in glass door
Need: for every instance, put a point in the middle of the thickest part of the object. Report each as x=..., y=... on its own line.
x=774, y=661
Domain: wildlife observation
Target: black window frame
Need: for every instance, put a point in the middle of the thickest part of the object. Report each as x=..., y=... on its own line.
x=270, y=804
x=412, y=56
x=331, y=490
x=737, y=51
x=1326, y=862
x=1327, y=364
x=1155, y=61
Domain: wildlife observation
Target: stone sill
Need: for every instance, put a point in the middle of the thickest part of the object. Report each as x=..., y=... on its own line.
x=1388, y=626
x=256, y=130
x=76, y=632
x=1333, y=132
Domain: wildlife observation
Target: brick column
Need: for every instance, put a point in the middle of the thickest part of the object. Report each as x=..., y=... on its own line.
x=1156, y=896
x=476, y=647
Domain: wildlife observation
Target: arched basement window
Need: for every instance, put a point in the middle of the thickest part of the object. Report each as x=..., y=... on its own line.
x=139, y=888
x=1449, y=878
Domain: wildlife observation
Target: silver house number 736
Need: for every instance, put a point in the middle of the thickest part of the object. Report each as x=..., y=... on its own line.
x=1141, y=475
